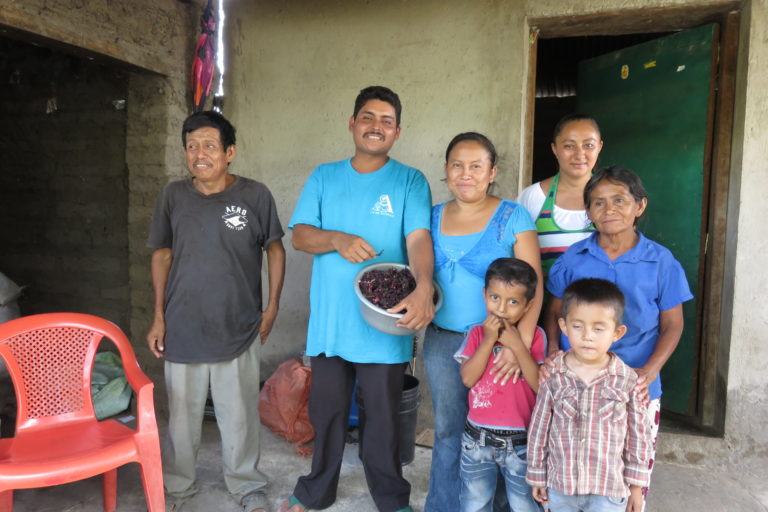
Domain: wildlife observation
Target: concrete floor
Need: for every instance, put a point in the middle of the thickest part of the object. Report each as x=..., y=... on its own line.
x=675, y=488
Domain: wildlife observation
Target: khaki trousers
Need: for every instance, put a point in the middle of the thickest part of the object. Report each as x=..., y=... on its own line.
x=235, y=391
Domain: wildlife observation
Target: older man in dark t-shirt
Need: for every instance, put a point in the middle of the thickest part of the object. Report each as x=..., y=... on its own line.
x=208, y=233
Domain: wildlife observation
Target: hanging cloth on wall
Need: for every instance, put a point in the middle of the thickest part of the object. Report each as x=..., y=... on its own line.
x=204, y=59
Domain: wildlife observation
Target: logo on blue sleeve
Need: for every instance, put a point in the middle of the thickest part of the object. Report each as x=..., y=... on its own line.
x=383, y=206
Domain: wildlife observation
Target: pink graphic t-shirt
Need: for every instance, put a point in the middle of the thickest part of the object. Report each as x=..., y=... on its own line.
x=496, y=406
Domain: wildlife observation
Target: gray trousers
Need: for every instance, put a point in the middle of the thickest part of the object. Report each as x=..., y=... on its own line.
x=235, y=391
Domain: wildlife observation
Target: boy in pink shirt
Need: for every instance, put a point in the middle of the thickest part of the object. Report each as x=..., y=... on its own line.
x=495, y=433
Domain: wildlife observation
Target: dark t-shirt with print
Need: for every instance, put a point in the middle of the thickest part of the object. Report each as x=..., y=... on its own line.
x=213, y=295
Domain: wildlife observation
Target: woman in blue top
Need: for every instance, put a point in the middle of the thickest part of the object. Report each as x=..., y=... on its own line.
x=469, y=232
x=652, y=280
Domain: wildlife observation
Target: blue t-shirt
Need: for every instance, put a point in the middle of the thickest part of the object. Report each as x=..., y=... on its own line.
x=383, y=207
x=461, y=262
x=650, y=278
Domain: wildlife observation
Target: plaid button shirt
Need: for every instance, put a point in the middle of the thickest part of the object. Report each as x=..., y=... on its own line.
x=589, y=439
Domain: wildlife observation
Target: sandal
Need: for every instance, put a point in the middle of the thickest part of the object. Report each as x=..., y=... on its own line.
x=291, y=502
x=254, y=502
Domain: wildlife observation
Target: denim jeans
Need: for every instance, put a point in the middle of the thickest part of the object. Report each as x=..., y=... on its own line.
x=479, y=472
x=584, y=503
x=449, y=405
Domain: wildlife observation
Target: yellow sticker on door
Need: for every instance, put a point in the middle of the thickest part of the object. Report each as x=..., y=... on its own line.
x=624, y=72
x=650, y=64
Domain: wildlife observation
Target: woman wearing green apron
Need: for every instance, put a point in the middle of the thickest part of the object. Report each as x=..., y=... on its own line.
x=557, y=203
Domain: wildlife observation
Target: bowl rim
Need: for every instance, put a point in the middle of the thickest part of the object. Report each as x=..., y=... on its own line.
x=376, y=266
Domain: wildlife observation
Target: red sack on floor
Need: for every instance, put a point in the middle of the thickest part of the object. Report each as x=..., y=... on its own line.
x=284, y=401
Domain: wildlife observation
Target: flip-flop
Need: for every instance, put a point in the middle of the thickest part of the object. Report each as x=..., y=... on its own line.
x=291, y=502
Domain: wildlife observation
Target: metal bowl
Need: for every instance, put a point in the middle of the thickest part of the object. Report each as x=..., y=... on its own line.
x=377, y=317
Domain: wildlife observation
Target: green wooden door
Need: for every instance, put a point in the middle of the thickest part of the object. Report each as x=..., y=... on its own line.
x=653, y=102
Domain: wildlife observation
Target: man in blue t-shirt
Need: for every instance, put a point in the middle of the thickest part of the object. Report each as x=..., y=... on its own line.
x=352, y=213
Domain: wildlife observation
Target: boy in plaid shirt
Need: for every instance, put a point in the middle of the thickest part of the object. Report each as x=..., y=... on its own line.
x=589, y=443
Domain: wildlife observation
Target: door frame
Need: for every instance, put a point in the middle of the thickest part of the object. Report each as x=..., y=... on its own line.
x=714, y=340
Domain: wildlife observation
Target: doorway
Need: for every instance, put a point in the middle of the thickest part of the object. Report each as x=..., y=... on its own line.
x=63, y=188
x=557, y=65
x=694, y=396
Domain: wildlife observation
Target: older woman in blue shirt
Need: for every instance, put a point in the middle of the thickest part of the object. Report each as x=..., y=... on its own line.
x=468, y=232
x=652, y=280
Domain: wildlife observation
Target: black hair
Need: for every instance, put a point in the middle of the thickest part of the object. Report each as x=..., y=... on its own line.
x=594, y=291
x=379, y=92
x=571, y=118
x=209, y=119
x=617, y=175
x=476, y=137
x=513, y=271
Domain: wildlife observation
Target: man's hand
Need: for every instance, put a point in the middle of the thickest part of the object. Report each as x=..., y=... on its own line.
x=635, y=499
x=352, y=248
x=161, y=267
x=545, y=369
x=419, y=306
x=505, y=367
x=540, y=495
x=156, y=337
x=267, y=321
x=510, y=335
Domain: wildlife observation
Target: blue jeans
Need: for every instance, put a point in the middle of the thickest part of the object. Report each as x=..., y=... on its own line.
x=584, y=503
x=479, y=472
x=449, y=405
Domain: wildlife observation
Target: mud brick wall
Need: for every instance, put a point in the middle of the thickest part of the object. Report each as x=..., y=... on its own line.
x=63, y=186
x=152, y=41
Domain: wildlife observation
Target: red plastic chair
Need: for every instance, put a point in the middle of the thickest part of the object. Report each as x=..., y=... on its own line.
x=58, y=439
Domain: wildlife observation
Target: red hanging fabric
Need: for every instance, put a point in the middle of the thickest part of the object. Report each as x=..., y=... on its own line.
x=205, y=58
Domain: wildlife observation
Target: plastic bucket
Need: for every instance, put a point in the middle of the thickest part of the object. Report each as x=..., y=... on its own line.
x=354, y=412
x=407, y=412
